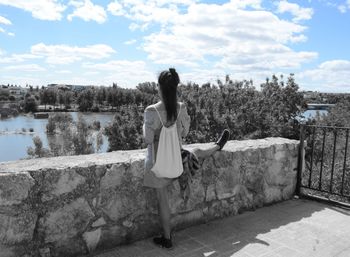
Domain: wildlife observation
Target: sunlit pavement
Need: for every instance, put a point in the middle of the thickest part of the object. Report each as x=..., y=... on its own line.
x=291, y=228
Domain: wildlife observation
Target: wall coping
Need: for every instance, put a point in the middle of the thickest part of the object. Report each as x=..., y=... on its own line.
x=64, y=162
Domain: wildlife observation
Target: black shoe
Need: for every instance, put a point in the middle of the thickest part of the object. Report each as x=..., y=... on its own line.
x=163, y=242
x=225, y=135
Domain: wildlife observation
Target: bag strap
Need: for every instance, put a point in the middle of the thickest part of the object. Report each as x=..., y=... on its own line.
x=178, y=115
x=159, y=117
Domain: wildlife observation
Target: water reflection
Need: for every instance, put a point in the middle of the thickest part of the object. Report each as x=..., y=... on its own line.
x=15, y=137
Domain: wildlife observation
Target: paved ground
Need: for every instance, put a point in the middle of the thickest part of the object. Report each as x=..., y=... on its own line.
x=293, y=228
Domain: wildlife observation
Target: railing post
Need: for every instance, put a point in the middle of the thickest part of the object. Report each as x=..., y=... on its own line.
x=301, y=157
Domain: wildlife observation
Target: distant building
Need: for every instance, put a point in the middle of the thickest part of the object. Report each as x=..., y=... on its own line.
x=74, y=88
x=17, y=91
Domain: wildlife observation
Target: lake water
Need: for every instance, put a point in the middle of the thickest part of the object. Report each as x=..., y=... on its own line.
x=14, y=143
x=311, y=113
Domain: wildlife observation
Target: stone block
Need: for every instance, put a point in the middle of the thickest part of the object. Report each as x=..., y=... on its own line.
x=123, y=201
x=92, y=238
x=226, y=181
x=188, y=219
x=210, y=193
x=69, y=247
x=223, y=159
x=137, y=167
x=7, y=251
x=14, y=187
x=112, y=236
x=114, y=176
x=58, y=182
x=275, y=174
x=66, y=222
x=98, y=223
x=17, y=228
x=196, y=197
x=272, y=194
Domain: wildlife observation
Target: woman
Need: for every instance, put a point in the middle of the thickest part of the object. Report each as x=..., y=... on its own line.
x=167, y=112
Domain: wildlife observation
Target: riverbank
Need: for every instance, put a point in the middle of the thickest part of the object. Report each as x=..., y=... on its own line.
x=16, y=132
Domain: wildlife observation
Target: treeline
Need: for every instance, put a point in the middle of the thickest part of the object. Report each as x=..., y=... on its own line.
x=326, y=98
x=249, y=113
x=91, y=99
x=237, y=105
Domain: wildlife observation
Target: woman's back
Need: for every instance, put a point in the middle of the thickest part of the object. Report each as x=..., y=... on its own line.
x=153, y=124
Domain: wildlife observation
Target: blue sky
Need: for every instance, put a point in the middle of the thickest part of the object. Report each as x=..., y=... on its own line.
x=94, y=42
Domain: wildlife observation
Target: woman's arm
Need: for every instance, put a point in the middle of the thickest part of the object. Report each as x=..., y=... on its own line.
x=148, y=126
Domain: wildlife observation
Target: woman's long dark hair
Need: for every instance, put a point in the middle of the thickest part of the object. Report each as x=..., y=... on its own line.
x=168, y=81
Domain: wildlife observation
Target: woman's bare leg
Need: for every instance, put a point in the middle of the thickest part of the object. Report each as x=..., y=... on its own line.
x=203, y=153
x=164, y=210
x=200, y=153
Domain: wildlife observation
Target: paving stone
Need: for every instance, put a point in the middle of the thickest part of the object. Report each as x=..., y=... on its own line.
x=295, y=228
x=202, y=252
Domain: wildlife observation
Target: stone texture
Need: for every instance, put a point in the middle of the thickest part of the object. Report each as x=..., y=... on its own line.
x=98, y=223
x=92, y=238
x=58, y=182
x=111, y=236
x=44, y=252
x=113, y=177
x=14, y=187
x=66, y=222
x=123, y=197
x=86, y=203
x=6, y=251
x=17, y=228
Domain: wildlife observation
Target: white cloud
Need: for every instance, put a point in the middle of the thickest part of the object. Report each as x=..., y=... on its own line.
x=130, y=42
x=87, y=11
x=242, y=4
x=17, y=58
x=298, y=12
x=40, y=9
x=232, y=38
x=24, y=68
x=116, y=9
x=145, y=12
x=331, y=75
x=63, y=71
x=11, y=34
x=5, y=21
x=23, y=79
x=2, y=30
x=65, y=54
x=343, y=8
x=336, y=65
x=125, y=73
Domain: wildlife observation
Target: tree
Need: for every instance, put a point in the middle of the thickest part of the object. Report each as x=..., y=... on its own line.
x=38, y=151
x=30, y=104
x=85, y=100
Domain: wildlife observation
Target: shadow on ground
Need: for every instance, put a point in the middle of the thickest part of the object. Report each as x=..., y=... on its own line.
x=228, y=236
x=292, y=228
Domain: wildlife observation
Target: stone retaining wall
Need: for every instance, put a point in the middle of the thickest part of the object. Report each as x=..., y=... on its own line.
x=69, y=206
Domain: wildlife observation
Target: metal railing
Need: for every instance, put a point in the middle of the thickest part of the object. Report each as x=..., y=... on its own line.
x=324, y=169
